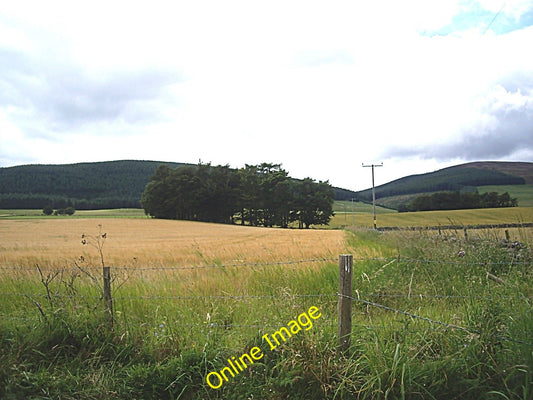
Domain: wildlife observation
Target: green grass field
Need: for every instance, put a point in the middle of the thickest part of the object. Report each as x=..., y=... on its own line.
x=465, y=330
x=524, y=193
x=348, y=207
x=390, y=218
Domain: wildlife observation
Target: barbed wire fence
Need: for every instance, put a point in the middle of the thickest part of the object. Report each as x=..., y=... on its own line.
x=344, y=295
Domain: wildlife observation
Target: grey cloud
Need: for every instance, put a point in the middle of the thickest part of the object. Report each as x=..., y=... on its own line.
x=512, y=133
x=66, y=95
x=514, y=81
x=78, y=99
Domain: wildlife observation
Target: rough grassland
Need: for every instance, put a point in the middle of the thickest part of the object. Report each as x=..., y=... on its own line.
x=189, y=296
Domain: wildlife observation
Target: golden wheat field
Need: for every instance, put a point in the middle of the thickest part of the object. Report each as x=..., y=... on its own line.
x=158, y=243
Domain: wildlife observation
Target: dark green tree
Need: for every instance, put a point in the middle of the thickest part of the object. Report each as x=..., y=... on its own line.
x=273, y=192
x=218, y=193
x=185, y=193
x=157, y=199
x=48, y=210
x=249, y=195
x=69, y=210
x=313, y=203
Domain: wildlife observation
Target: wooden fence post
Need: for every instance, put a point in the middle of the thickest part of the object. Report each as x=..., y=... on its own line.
x=108, y=300
x=345, y=301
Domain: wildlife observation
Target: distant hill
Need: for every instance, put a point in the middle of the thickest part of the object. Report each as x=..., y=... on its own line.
x=464, y=177
x=110, y=184
x=85, y=186
x=520, y=169
x=119, y=184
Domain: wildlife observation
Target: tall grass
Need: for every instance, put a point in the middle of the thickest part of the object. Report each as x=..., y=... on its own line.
x=174, y=326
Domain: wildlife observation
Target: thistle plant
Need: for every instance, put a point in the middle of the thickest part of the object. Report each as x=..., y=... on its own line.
x=96, y=241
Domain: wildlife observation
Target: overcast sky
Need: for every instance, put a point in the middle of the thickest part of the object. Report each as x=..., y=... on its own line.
x=320, y=87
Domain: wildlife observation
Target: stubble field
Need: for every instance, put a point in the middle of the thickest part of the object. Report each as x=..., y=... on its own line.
x=159, y=243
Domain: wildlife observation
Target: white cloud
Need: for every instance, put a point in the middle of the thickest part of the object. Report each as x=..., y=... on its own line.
x=432, y=15
x=318, y=87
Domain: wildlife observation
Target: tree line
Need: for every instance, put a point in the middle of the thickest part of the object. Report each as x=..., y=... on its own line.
x=457, y=200
x=257, y=195
x=38, y=201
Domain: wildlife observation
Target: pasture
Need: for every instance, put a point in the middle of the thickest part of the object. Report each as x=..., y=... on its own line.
x=524, y=193
x=434, y=316
x=391, y=218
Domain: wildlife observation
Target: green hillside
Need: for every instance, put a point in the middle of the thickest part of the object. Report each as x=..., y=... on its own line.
x=465, y=178
x=119, y=184
x=85, y=186
x=111, y=184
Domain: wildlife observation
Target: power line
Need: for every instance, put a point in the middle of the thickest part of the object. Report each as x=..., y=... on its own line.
x=494, y=18
x=432, y=321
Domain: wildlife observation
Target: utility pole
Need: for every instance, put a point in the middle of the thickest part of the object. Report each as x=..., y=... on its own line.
x=353, y=214
x=373, y=190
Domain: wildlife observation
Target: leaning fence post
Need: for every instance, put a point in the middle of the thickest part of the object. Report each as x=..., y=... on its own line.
x=345, y=301
x=108, y=300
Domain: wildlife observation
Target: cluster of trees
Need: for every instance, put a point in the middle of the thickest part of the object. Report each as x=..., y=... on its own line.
x=457, y=200
x=255, y=195
x=49, y=210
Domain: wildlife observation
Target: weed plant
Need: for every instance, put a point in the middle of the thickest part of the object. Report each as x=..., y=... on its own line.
x=172, y=327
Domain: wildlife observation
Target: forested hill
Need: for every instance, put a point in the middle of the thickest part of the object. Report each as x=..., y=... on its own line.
x=464, y=177
x=111, y=184
x=116, y=184
x=85, y=186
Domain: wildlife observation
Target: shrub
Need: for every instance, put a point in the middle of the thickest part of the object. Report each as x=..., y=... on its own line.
x=48, y=210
